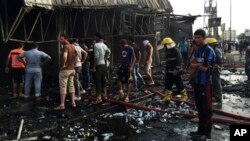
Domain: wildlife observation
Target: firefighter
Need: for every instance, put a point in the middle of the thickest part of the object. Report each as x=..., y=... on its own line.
x=173, y=70
x=216, y=90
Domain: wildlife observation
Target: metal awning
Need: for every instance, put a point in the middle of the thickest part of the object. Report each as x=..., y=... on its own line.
x=157, y=5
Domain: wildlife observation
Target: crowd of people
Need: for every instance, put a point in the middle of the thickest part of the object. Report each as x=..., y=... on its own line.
x=200, y=58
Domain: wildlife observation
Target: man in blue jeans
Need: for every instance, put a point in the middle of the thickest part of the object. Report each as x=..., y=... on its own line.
x=183, y=46
x=82, y=55
x=33, y=71
x=85, y=67
x=136, y=71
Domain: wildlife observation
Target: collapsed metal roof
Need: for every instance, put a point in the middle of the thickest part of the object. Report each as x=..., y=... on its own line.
x=157, y=5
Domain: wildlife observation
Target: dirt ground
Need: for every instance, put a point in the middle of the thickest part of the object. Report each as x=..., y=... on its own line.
x=112, y=122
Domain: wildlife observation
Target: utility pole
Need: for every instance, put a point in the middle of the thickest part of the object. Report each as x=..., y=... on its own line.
x=230, y=32
x=210, y=15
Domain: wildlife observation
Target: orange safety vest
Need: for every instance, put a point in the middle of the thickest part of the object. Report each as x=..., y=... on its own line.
x=13, y=57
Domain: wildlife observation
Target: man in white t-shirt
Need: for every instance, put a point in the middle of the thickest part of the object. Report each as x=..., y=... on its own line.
x=101, y=52
x=82, y=55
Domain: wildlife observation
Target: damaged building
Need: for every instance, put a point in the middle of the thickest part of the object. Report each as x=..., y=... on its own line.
x=42, y=21
x=145, y=117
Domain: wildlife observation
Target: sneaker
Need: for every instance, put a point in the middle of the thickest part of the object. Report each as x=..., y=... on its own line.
x=77, y=98
x=83, y=91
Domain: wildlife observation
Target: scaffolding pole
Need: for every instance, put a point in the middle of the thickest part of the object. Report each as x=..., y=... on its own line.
x=16, y=23
x=1, y=27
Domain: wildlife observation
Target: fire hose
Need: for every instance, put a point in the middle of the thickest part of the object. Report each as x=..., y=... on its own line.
x=185, y=115
x=239, y=117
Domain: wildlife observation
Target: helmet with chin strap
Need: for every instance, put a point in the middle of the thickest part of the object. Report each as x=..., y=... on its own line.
x=212, y=41
x=168, y=42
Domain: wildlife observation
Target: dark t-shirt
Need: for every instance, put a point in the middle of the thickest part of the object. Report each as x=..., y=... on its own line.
x=136, y=50
x=126, y=55
x=91, y=56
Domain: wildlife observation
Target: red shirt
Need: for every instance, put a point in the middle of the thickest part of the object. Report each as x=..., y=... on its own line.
x=13, y=57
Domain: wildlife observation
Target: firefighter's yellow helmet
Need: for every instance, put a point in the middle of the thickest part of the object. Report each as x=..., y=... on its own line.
x=167, y=40
x=211, y=41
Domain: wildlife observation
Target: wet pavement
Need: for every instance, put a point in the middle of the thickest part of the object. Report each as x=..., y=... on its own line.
x=111, y=122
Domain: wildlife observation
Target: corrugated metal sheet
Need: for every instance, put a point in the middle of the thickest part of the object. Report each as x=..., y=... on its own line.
x=48, y=4
x=151, y=4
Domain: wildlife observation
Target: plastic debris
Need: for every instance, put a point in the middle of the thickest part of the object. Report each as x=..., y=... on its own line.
x=139, y=131
x=139, y=121
x=218, y=127
x=95, y=139
x=46, y=137
x=106, y=136
x=118, y=114
x=225, y=72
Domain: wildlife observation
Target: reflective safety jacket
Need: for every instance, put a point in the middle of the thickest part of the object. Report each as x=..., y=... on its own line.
x=173, y=59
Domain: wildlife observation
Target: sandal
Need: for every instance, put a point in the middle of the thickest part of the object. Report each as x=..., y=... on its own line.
x=98, y=100
x=104, y=97
x=121, y=96
x=126, y=99
x=151, y=84
x=59, y=108
x=73, y=105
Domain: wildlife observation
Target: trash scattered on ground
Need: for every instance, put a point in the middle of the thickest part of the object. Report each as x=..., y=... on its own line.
x=218, y=127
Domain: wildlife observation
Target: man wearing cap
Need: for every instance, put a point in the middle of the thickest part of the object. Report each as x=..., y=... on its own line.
x=148, y=61
x=217, y=90
x=173, y=70
x=203, y=61
x=124, y=73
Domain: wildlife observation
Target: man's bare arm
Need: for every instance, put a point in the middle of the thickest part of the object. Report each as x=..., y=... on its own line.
x=64, y=59
x=84, y=56
x=48, y=58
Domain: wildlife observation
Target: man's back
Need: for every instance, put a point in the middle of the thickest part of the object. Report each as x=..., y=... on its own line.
x=100, y=51
x=15, y=63
x=79, y=51
x=126, y=55
x=183, y=46
x=149, y=50
x=33, y=59
x=71, y=58
x=136, y=50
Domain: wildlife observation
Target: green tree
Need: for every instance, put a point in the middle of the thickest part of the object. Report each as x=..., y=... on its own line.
x=241, y=36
